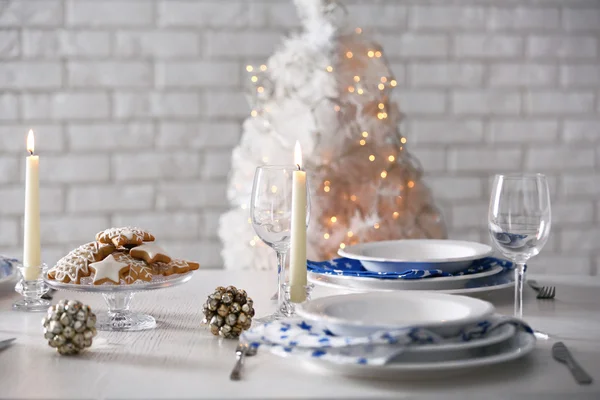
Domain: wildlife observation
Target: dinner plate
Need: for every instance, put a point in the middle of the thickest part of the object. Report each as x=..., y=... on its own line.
x=466, y=285
x=399, y=255
x=362, y=314
x=519, y=346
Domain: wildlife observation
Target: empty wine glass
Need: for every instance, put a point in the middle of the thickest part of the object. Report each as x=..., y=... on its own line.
x=519, y=222
x=271, y=215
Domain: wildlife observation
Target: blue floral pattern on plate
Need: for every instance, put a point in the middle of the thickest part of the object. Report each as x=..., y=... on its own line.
x=350, y=267
x=312, y=339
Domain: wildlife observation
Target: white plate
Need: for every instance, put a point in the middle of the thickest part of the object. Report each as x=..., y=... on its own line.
x=519, y=346
x=399, y=255
x=439, y=283
x=361, y=314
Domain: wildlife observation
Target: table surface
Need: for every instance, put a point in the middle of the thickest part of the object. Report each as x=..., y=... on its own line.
x=181, y=359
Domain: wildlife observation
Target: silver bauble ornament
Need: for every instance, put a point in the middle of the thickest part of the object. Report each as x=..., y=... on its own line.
x=69, y=326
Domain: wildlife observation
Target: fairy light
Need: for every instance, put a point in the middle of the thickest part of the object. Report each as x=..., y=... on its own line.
x=260, y=89
x=252, y=243
x=380, y=115
x=249, y=220
x=327, y=183
x=396, y=214
x=391, y=158
x=254, y=78
x=381, y=106
x=349, y=54
x=362, y=142
x=326, y=189
x=384, y=115
x=381, y=86
x=263, y=68
x=403, y=140
x=356, y=78
x=265, y=159
x=254, y=113
x=353, y=197
x=336, y=108
x=333, y=219
x=342, y=245
x=383, y=79
x=376, y=226
x=371, y=157
x=249, y=68
x=351, y=89
x=350, y=234
x=365, y=134
x=329, y=68
x=411, y=184
x=383, y=174
x=359, y=91
x=378, y=54
x=273, y=189
x=358, y=31
x=393, y=82
x=370, y=53
x=326, y=236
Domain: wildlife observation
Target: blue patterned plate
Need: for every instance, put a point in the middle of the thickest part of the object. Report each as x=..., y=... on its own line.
x=8, y=269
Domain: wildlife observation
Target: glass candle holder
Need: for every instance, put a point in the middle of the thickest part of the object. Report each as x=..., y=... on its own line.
x=288, y=308
x=31, y=291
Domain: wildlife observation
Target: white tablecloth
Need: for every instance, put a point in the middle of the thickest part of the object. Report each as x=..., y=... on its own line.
x=181, y=359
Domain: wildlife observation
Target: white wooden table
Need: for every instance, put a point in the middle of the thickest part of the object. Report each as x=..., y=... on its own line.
x=181, y=359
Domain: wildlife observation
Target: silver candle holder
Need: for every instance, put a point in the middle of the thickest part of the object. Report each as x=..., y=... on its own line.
x=31, y=291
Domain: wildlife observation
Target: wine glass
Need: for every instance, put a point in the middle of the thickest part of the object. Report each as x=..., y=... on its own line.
x=271, y=215
x=519, y=222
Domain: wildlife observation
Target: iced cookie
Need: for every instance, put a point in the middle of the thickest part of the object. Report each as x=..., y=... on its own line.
x=175, y=267
x=124, y=237
x=138, y=270
x=75, y=265
x=109, y=270
x=151, y=253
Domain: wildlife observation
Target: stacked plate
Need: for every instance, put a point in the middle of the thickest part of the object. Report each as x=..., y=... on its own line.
x=449, y=266
x=396, y=334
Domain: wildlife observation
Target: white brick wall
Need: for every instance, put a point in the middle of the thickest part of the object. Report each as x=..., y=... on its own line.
x=138, y=103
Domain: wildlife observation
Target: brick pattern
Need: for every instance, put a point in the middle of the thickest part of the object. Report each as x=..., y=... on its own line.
x=138, y=103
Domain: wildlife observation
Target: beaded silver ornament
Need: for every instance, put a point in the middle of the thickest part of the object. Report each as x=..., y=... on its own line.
x=69, y=326
x=228, y=311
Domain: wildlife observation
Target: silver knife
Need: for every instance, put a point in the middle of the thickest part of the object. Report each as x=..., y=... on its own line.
x=563, y=355
x=6, y=343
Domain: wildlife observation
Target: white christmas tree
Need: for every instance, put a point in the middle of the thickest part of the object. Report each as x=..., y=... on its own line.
x=328, y=88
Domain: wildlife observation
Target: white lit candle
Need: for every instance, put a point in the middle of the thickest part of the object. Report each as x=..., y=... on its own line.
x=31, y=242
x=298, y=238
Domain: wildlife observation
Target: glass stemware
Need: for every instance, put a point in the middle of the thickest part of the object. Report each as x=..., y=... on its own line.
x=271, y=216
x=519, y=220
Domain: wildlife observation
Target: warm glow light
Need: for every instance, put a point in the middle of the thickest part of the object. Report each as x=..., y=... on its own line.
x=326, y=236
x=350, y=233
x=377, y=54
x=329, y=68
x=326, y=183
x=273, y=189
x=380, y=115
x=249, y=220
x=260, y=89
x=30, y=142
x=383, y=174
x=342, y=246
x=359, y=91
x=298, y=155
x=349, y=54
x=254, y=78
x=358, y=31
x=411, y=184
x=252, y=243
x=249, y=68
x=263, y=67
x=371, y=53
x=381, y=106
x=393, y=82
x=334, y=219
x=403, y=140
x=396, y=214
x=381, y=86
x=336, y=108
x=265, y=159
x=353, y=197
x=326, y=189
x=351, y=89
x=356, y=78
x=391, y=158
x=376, y=226
x=371, y=157
x=383, y=79
x=254, y=113
x=362, y=142
x=365, y=134
x=384, y=115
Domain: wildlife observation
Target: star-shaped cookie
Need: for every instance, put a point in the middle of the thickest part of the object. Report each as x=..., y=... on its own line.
x=151, y=253
x=108, y=270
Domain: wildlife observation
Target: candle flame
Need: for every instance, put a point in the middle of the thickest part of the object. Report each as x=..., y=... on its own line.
x=298, y=155
x=30, y=142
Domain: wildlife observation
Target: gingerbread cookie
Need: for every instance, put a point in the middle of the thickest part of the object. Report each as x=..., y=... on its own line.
x=175, y=267
x=108, y=270
x=75, y=265
x=151, y=253
x=138, y=270
x=124, y=237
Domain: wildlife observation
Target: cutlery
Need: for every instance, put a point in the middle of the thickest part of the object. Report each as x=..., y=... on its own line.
x=6, y=343
x=241, y=351
x=563, y=355
x=544, y=292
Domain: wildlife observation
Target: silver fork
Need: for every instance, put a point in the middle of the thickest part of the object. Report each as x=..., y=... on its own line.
x=241, y=351
x=563, y=355
x=543, y=292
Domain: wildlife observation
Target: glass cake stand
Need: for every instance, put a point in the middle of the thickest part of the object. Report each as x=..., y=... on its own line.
x=118, y=300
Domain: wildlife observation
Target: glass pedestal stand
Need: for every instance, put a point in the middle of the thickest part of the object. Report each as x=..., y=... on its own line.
x=118, y=299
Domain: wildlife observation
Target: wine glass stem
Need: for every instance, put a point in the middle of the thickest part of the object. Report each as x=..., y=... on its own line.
x=280, y=277
x=519, y=280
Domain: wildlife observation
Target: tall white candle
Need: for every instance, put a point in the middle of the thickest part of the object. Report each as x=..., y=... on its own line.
x=298, y=238
x=31, y=241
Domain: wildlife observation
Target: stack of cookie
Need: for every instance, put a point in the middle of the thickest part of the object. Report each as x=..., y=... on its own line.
x=120, y=256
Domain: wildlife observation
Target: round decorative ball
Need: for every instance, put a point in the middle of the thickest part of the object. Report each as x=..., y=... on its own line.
x=69, y=326
x=228, y=311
